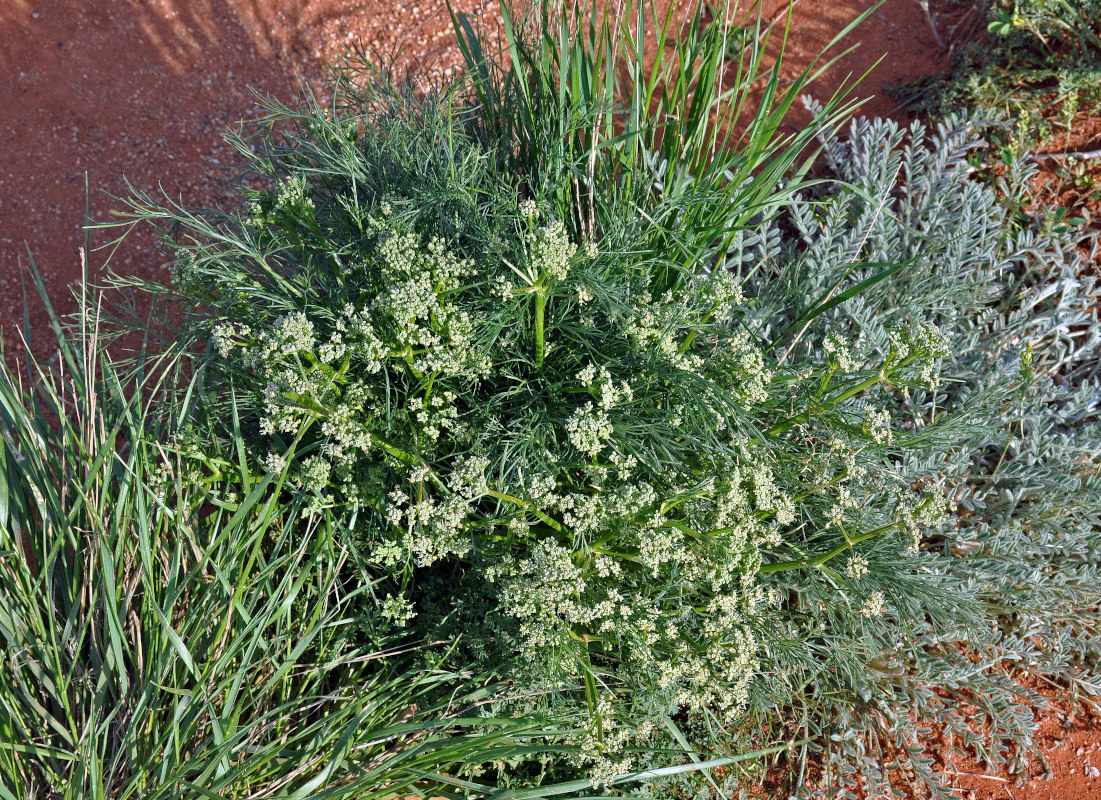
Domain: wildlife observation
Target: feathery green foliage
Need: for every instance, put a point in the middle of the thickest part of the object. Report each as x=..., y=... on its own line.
x=523, y=370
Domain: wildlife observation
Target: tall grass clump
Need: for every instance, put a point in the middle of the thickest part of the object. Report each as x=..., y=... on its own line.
x=169, y=634
x=702, y=457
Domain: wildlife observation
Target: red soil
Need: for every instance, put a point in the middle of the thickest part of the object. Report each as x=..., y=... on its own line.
x=144, y=89
x=1068, y=752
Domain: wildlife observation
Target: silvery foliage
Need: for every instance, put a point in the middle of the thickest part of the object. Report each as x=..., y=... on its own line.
x=1004, y=596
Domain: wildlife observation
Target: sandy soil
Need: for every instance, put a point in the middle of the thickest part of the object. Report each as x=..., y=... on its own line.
x=141, y=91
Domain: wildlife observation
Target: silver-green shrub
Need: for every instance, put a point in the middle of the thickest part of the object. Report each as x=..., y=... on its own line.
x=1008, y=586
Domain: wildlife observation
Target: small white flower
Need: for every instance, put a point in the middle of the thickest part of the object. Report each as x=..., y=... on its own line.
x=588, y=428
x=857, y=567
x=551, y=250
x=877, y=425
x=838, y=353
x=398, y=610
x=874, y=606
x=529, y=210
x=222, y=338
x=294, y=333
x=274, y=462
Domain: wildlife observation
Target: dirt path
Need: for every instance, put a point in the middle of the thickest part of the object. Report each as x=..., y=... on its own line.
x=145, y=88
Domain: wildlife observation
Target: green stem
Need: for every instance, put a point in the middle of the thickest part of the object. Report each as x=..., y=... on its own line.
x=783, y=566
x=841, y=398
x=540, y=310
x=614, y=554
x=399, y=454
x=524, y=504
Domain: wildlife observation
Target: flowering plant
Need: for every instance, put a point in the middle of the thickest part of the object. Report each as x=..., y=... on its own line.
x=580, y=425
x=614, y=413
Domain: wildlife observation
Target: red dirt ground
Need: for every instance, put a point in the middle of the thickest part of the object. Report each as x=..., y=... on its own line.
x=144, y=89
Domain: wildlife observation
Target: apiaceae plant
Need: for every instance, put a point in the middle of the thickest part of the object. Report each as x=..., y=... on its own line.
x=555, y=390
x=156, y=645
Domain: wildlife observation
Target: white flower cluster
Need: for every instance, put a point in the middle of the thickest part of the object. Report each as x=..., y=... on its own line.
x=503, y=288
x=544, y=592
x=603, y=746
x=184, y=271
x=769, y=496
x=293, y=194
x=877, y=425
x=434, y=527
x=702, y=659
x=398, y=609
x=611, y=392
x=295, y=332
x=550, y=251
x=838, y=353
x=429, y=328
x=620, y=508
x=874, y=606
x=925, y=343
x=529, y=211
x=747, y=364
x=723, y=290
x=857, y=567
x=654, y=327
x=915, y=518
x=256, y=218
x=588, y=429
x=318, y=368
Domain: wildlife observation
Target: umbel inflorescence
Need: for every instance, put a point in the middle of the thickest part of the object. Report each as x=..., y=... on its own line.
x=419, y=400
